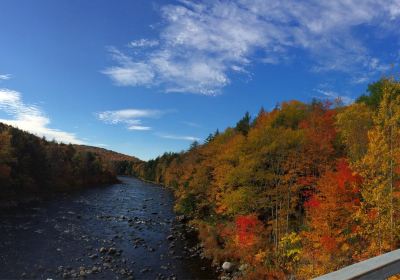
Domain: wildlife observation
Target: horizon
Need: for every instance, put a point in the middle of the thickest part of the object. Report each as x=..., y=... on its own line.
x=147, y=77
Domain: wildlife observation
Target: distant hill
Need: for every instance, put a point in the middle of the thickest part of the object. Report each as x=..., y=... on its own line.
x=118, y=163
x=104, y=153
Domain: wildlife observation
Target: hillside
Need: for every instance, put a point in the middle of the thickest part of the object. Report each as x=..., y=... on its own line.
x=107, y=154
x=302, y=190
x=116, y=162
x=31, y=166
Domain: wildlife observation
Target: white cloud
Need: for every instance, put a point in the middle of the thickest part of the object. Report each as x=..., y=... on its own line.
x=131, y=117
x=143, y=43
x=139, y=127
x=30, y=118
x=129, y=73
x=127, y=115
x=5, y=76
x=334, y=95
x=177, y=137
x=100, y=145
x=201, y=44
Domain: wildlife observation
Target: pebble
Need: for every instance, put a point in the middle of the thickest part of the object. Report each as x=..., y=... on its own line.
x=112, y=251
x=170, y=237
x=144, y=270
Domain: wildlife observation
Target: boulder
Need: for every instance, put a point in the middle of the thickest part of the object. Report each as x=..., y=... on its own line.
x=227, y=266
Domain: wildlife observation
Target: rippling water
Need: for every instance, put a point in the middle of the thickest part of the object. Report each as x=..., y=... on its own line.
x=61, y=238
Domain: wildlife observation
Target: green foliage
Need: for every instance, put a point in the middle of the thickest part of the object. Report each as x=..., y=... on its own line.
x=374, y=94
x=240, y=201
x=115, y=162
x=290, y=114
x=29, y=165
x=194, y=145
x=186, y=205
x=243, y=126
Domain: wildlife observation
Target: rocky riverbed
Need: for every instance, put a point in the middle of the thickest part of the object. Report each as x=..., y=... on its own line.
x=123, y=231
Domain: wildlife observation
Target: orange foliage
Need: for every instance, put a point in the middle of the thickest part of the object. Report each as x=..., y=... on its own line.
x=330, y=212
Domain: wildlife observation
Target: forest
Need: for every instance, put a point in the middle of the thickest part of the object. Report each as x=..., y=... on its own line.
x=31, y=166
x=116, y=163
x=301, y=190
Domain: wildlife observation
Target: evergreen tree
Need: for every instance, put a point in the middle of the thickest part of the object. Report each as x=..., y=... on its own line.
x=243, y=126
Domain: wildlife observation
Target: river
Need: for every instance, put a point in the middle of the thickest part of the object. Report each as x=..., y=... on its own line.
x=122, y=231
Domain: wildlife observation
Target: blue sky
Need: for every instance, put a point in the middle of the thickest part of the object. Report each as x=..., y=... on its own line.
x=144, y=77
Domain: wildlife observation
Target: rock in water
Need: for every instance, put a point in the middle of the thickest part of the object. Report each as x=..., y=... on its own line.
x=170, y=237
x=227, y=266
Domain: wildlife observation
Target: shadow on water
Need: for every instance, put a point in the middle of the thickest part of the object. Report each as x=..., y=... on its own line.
x=124, y=231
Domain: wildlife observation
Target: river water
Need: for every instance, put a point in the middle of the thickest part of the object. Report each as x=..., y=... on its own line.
x=122, y=231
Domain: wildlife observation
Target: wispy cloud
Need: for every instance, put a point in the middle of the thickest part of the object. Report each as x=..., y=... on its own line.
x=139, y=127
x=179, y=137
x=330, y=94
x=143, y=43
x=201, y=44
x=30, y=118
x=5, y=76
x=131, y=117
x=127, y=115
x=129, y=73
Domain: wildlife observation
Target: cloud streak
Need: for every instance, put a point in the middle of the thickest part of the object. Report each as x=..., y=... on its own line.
x=178, y=137
x=335, y=96
x=202, y=44
x=30, y=118
x=143, y=43
x=130, y=117
x=5, y=77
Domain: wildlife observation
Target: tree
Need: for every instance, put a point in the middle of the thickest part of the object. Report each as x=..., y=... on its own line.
x=327, y=242
x=194, y=145
x=209, y=138
x=379, y=167
x=375, y=93
x=353, y=124
x=243, y=126
x=6, y=159
x=33, y=165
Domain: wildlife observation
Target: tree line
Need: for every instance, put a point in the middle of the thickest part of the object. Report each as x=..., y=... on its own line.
x=30, y=165
x=302, y=190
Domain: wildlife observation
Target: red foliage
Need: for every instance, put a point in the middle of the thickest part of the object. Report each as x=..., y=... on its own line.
x=328, y=242
x=246, y=229
x=346, y=176
x=313, y=202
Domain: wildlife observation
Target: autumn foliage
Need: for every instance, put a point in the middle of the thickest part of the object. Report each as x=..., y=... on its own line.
x=246, y=230
x=300, y=191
